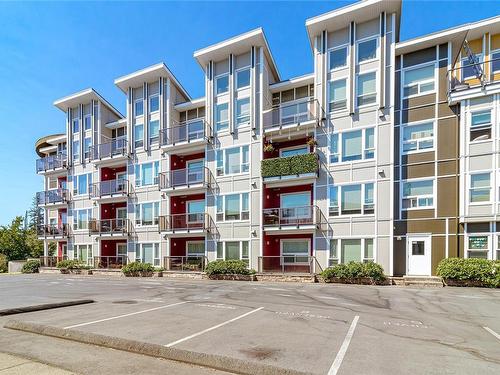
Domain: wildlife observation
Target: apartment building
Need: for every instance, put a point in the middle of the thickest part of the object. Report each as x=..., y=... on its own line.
x=386, y=152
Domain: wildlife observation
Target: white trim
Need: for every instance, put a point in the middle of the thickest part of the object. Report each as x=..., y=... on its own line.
x=377, y=49
x=434, y=193
x=417, y=140
x=434, y=80
x=356, y=104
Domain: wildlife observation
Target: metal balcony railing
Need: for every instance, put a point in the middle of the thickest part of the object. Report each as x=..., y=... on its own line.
x=109, y=188
x=180, y=178
x=190, y=263
x=52, y=162
x=47, y=230
x=466, y=76
x=293, y=263
x=188, y=131
x=52, y=196
x=293, y=113
x=107, y=262
x=290, y=166
x=293, y=216
x=109, y=226
x=115, y=148
x=51, y=261
x=185, y=222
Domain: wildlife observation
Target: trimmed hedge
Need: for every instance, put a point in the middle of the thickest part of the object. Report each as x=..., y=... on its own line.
x=72, y=264
x=355, y=270
x=483, y=271
x=138, y=269
x=31, y=266
x=289, y=166
x=228, y=267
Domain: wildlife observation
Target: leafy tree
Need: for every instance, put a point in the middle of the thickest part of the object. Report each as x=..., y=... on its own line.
x=13, y=240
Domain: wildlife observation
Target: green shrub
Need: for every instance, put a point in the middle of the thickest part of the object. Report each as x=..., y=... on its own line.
x=138, y=269
x=484, y=271
x=72, y=264
x=354, y=270
x=228, y=267
x=291, y=165
x=31, y=266
x=3, y=263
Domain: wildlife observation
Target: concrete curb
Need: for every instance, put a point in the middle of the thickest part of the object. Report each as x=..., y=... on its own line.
x=238, y=366
x=47, y=306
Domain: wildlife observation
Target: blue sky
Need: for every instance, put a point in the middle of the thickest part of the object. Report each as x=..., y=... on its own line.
x=50, y=50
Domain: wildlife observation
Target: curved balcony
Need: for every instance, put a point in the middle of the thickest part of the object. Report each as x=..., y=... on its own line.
x=52, y=197
x=196, y=180
x=186, y=136
x=186, y=224
x=110, y=227
x=109, y=189
x=52, y=163
x=304, y=219
x=290, y=170
x=116, y=149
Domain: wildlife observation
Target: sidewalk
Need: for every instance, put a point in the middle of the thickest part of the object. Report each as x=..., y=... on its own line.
x=13, y=365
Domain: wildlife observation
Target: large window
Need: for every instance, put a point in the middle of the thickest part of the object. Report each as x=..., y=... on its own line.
x=221, y=117
x=76, y=151
x=233, y=250
x=478, y=246
x=233, y=207
x=338, y=58
x=81, y=183
x=146, y=174
x=480, y=188
x=337, y=95
x=222, y=84
x=242, y=112
x=81, y=219
x=418, y=194
x=366, y=90
x=354, y=199
x=232, y=160
x=154, y=131
x=83, y=253
x=295, y=250
x=480, y=125
x=351, y=250
x=138, y=135
x=367, y=50
x=154, y=103
x=147, y=213
x=418, y=137
x=242, y=78
x=418, y=81
x=355, y=145
x=148, y=253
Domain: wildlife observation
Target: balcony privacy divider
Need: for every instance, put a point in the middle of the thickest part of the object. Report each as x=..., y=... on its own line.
x=290, y=165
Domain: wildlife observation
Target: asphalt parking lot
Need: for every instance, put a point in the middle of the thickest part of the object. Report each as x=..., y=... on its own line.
x=317, y=328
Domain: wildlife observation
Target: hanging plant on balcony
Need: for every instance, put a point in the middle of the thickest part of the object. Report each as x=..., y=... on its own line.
x=268, y=147
x=311, y=141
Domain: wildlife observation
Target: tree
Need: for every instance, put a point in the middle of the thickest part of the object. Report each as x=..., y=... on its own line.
x=13, y=240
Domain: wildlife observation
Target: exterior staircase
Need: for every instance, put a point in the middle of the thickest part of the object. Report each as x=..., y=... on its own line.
x=423, y=281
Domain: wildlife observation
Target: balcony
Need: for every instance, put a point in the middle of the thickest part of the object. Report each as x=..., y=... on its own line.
x=293, y=119
x=52, y=163
x=52, y=231
x=116, y=149
x=110, y=262
x=110, y=227
x=290, y=170
x=52, y=197
x=194, y=180
x=305, y=219
x=186, y=136
x=190, y=263
x=294, y=264
x=51, y=261
x=109, y=189
x=186, y=224
x=473, y=80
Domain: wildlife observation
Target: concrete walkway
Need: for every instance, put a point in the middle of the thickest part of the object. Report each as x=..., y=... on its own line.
x=13, y=365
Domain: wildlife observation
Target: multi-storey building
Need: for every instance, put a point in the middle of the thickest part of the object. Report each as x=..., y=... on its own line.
x=386, y=152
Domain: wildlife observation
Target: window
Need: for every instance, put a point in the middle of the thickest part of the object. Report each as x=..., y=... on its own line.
x=154, y=131
x=338, y=58
x=81, y=219
x=334, y=201
x=81, y=183
x=294, y=151
x=418, y=194
x=195, y=248
x=138, y=135
x=354, y=199
x=351, y=199
x=146, y=174
x=233, y=207
x=138, y=107
x=222, y=84
x=242, y=78
x=87, y=122
x=367, y=50
x=469, y=69
x=147, y=213
x=480, y=125
x=242, y=112
x=351, y=250
x=76, y=151
x=233, y=160
x=333, y=255
x=334, y=148
x=83, y=253
x=495, y=64
x=233, y=250
x=154, y=103
x=478, y=246
x=366, y=89
x=148, y=253
x=76, y=125
x=418, y=137
x=418, y=81
x=368, y=205
x=356, y=145
x=337, y=95
x=369, y=150
x=221, y=117
x=295, y=251
x=86, y=147
x=480, y=188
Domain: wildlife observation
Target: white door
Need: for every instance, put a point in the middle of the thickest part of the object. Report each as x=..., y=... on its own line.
x=419, y=255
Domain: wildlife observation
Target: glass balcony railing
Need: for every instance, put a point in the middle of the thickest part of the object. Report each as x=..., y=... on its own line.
x=192, y=263
x=109, y=188
x=48, y=230
x=115, y=148
x=110, y=262
x=293, y=113
x=185, y=132
x=109, y=226
x=184, y=178
x=291, y=216
x=52, y=196
x=52, y=162
x=293, y=263
x=185, y=222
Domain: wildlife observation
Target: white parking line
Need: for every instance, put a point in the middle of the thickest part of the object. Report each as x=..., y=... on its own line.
x=284, y=295
x=325, y=297
x=343, y=349
x=492, y=332
x=125, y=315
x=212, y=328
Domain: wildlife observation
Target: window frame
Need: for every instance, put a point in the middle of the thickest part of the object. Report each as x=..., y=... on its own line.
x=364, y=40
x=298, y=147
x=418, y=207
x=470, y=188
x=220, y=203
x=77, y=252
x=221, y=169
x=86, y=151
x=338, y=48
x=239, y=70
x=218, y=122
x=89, y=117
x=338, y=242
x=156, y=138
x=481, y=127
x=138, y=211
x=224, y=252
x=216, y=79
x=138, y=143
x=140, y=245
x=237, y=118
x=76, y=222
x=139, y=176
x=75, y=146
x=492, y=61
x=364, y=150
x=75, y=129
x=136, y=102
x=76, y=186
x=373, y=71
x=419, y=83
x=331, y=102
x=150, y=98
x=291, y=240
x=418, y=150
x=468, y=249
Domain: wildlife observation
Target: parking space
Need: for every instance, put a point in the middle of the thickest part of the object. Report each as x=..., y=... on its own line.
x=323, y=329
